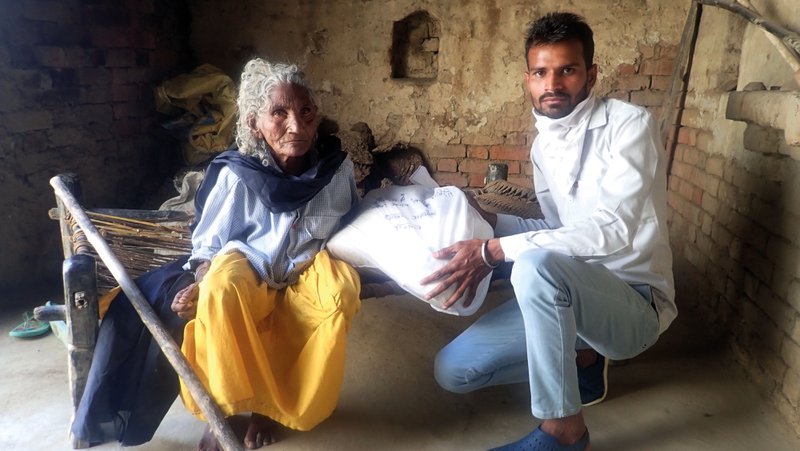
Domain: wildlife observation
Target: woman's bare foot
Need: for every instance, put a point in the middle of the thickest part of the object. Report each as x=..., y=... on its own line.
x=260, y=432
x=208, y=442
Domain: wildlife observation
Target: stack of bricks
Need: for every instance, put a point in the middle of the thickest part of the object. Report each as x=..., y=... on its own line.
x=465, y=160
x=76, y=94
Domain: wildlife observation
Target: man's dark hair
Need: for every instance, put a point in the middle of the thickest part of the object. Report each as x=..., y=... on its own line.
x=559, y=27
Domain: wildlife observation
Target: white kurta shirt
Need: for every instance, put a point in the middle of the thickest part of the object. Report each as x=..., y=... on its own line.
x=603, y=194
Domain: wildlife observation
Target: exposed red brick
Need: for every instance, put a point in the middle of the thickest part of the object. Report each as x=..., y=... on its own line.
x=93, y=76
x=715, y=165
x=633, y=83
x=110, y=37
x=123, y=93
x=127, y=128
x=478, y=152
x=447, y=165
x=526, y=168
x=627, y=69
x=526, y=182
x=647, y=98
x=668, y=51
x=660, y=82
x=450, y=151
x=51, y=56
x=476, y=179
x=514, y=153
x=657, y=67
x=450, y=179
x=674, y=183
x=697, y=196
x=144, y=40
x=163, y=58
x=516, y=139
x=686, y=190
x=687, y=136
x=704, y=139
x=473, y=165
x=120, y=110
x=647, y=51
x=25, y=121
x=619, y=95
x=120, y=58
x=119, y=76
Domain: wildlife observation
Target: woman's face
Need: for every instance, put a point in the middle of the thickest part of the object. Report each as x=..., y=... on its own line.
x=288, y=124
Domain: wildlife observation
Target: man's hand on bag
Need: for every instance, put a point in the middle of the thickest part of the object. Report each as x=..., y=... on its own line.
x=465, y=269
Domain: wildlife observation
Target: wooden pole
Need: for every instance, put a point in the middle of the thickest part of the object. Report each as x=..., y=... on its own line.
x=213, y=414
x=676, y=95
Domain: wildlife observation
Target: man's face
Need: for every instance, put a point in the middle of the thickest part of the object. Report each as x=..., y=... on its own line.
x=558, y=78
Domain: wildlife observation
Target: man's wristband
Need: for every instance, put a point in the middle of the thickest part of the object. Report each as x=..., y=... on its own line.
x=484, y=257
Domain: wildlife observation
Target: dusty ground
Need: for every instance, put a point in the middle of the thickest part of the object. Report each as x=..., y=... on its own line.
x=680, y=395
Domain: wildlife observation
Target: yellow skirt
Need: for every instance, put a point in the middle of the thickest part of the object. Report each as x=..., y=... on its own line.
x=279, y=353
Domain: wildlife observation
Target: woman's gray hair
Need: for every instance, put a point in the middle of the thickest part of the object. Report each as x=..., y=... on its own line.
x=259, y=77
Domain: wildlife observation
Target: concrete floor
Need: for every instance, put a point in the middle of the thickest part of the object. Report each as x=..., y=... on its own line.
x=680, y=395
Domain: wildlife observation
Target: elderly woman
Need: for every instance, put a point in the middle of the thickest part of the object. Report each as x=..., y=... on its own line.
x=268, y=309
x=271, y=308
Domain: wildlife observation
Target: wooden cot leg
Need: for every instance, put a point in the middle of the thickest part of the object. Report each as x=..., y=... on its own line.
x=80, y=296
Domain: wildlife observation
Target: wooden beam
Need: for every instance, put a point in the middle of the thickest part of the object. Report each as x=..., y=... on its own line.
x=676, y=95
x=789, y=37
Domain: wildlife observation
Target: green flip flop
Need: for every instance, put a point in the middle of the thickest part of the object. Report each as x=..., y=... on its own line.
x=30, y=327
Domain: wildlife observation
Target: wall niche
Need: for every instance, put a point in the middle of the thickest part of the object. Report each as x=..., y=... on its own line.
x=415, y=47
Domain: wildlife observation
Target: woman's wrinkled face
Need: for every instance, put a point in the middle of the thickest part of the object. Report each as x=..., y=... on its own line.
x=289, y=123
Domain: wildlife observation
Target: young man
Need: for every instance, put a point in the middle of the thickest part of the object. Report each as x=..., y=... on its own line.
x=595, y=273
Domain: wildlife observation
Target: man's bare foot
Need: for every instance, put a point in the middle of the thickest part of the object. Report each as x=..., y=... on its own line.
x=260, y=432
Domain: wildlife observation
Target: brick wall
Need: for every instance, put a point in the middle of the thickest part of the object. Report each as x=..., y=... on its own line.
x=736, y=226
x=76, y=81
x=734, y=197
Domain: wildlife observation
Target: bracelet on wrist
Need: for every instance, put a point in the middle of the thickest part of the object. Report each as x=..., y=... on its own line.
x=485, y=258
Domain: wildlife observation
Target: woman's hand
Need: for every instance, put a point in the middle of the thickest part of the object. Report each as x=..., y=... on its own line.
x=185, y=302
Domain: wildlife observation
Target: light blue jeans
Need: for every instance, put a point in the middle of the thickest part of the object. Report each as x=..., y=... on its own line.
x=561, y=304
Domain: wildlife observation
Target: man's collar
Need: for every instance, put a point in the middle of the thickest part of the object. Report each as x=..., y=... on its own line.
x=599, y=116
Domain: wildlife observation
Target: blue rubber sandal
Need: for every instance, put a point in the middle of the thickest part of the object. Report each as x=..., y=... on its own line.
x=30, y=327
x=539, y=440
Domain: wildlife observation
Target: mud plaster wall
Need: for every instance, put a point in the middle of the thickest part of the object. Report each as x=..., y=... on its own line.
x=76, y=80
x=476, y=109
x=735, y=204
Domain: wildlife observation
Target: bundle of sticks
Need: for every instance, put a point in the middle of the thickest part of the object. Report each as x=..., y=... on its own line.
x=141, y=244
